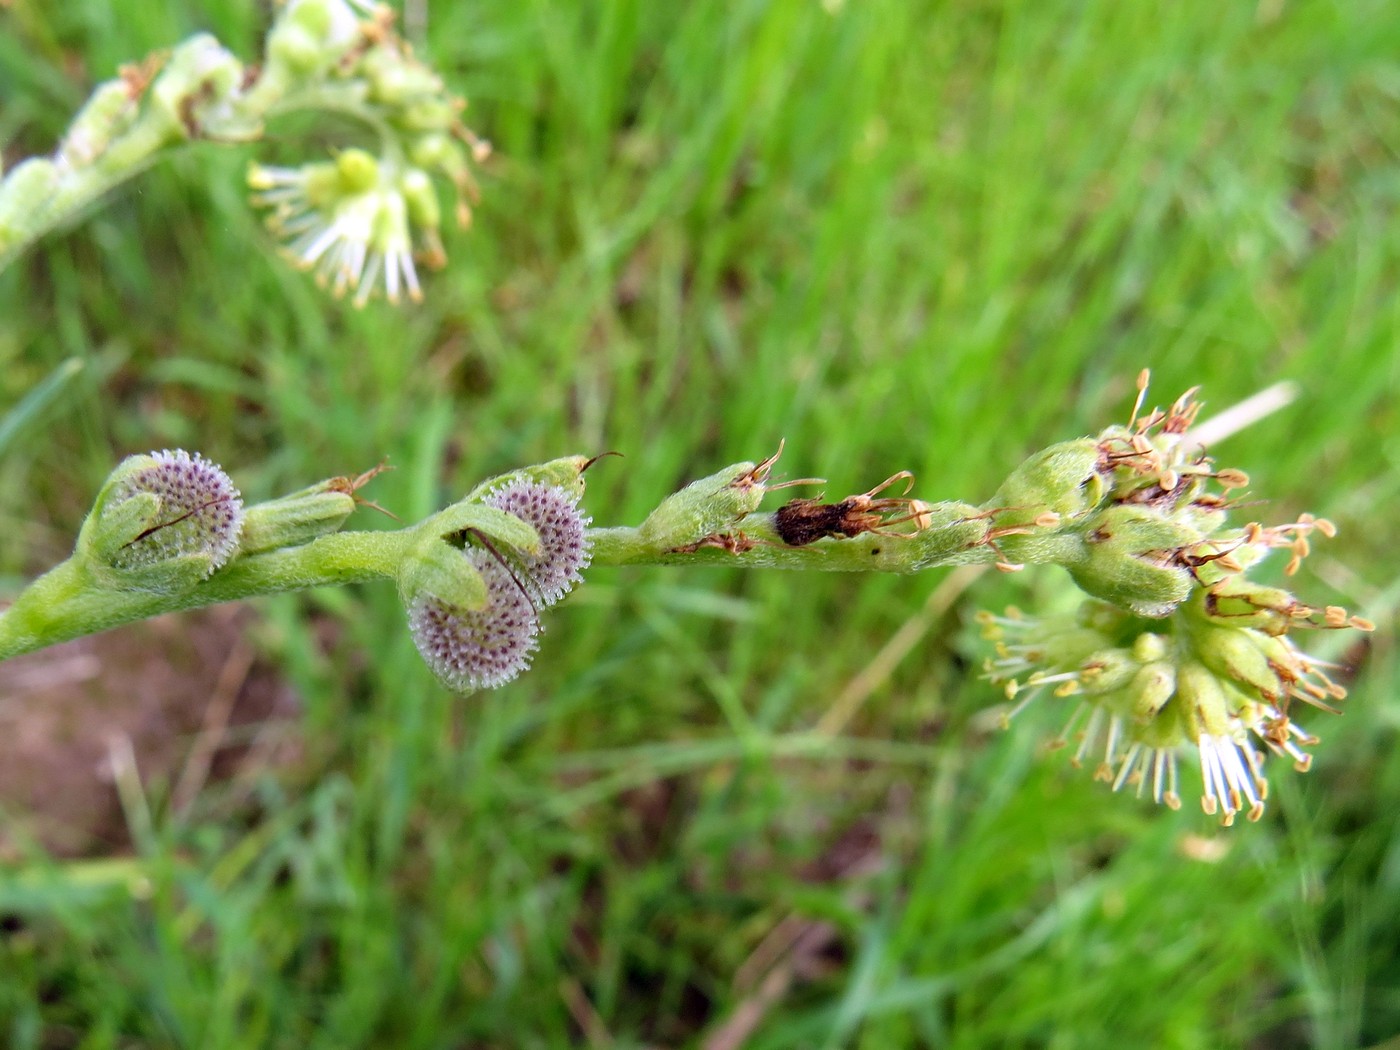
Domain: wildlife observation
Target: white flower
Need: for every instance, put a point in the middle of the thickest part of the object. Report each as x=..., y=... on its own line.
x=1145, y=697
x=347, y=221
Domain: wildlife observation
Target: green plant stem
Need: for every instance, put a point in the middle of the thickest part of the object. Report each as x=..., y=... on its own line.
x=758, y=545
x=955, y=534
x=71, y=600
x=67, y=602
x=79, y=188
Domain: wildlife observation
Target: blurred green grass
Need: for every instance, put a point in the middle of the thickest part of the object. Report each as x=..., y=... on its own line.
x=898, y=235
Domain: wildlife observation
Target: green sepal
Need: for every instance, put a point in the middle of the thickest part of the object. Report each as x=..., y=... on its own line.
x=1128, y=558
x=441, y=570
x=1236, y=602
x=111, y=526
x=24, y=192
x=1066, y=479
x=495, y=524
x=1205, y=705
x=293, y=520
x=565, y=473
x=703, y=508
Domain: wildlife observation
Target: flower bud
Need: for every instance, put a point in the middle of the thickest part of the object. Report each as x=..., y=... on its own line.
x=439, y=151
x=1237, y=602
x=110, y=111
x=23, y=192
x=196, y=93
x=310, y=36
x=1064, y=479
x=706, y=507
x=427, y=114
x=396, y=78
x=358, y=171
x=424, y=211
x=1152, y=686
x=1236, y=654
x=1129, y=559
x=1104, y=672
x=298, y=518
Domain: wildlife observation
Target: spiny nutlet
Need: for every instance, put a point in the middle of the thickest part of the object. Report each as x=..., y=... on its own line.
x=470, y=649
x=554, y=513
x=199, y=511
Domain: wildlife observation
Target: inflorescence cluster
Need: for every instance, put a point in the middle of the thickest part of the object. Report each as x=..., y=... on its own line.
x=1154, y=675
x=1174, y=651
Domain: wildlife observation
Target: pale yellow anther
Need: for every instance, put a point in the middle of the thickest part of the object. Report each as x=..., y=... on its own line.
x=1230, y=478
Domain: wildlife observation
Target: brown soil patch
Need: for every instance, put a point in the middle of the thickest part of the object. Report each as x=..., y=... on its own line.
x=181, y=700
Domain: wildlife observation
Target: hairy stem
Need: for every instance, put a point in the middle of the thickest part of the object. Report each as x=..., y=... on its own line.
x=66, y=603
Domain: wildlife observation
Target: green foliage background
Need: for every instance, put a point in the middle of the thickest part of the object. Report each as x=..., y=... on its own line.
x=932, y=236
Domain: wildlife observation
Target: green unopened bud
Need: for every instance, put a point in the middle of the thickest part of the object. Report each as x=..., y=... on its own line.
x=1237, y=602
x=299, y=518
x=311, y=36
x=358, y=170
x=1105, y=672
x=328, y=20
x=395, y=78
x=24, y=191
x=197, y=90
x=107, y=113
x=1129, y=558
x=1064, y=479
x=438, y=151
x=565, y=473
x=1207, y=703
x=293, y=50
x=1152, y=686
x=1236, y=653
x=424, y=211
x=706, y=507
x=1149, y=646
x=427, y=114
